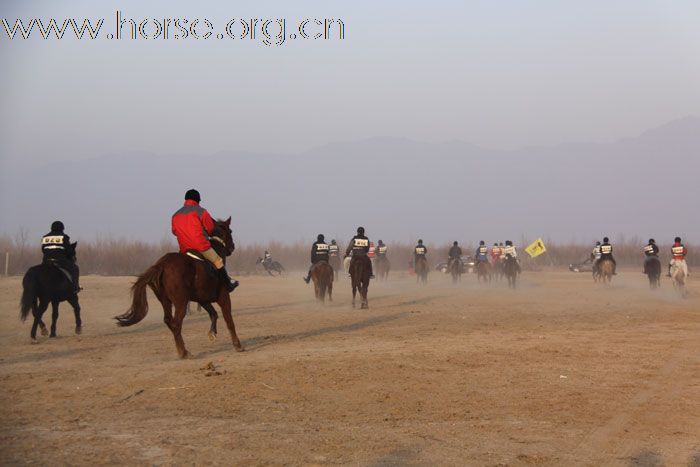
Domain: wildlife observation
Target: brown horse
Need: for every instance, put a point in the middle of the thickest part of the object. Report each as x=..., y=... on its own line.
x=334, y=261
x=322, y=274
x=383, y=266
x=510, y=270
x=421, y=268
x=177, y=279
x=604, y=271
x=360, y=271
x=483, y=271
x=456, y=268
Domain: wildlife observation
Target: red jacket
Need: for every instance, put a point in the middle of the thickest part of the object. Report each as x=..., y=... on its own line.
x=192, y=225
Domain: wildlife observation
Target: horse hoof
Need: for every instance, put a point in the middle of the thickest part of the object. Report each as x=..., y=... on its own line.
x=364, y=306
x=44, y=331
x=52, y=336
x=78, y=330
x=212, y=336
x=186, y=354
x=239, y=348
x=33, y=341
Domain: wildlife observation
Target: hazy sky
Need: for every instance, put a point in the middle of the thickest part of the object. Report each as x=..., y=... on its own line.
x=500, y=74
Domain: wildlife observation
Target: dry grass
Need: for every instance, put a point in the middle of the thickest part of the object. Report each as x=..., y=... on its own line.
x=119, y=257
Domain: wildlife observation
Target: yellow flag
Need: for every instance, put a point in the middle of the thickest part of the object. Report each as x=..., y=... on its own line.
x=536, y=248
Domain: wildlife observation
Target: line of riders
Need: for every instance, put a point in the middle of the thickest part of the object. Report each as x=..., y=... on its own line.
x=193, y=227
x=604, y=251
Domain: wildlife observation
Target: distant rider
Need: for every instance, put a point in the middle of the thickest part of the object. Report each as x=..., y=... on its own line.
x=319, y=252
x=650, y=251
x=54, y=246
x=193, y=227
x=482, y=253
x=495, y=253
x=511, y=252
x=678, y=254
x=455, y=254
x=606, y=251
x=419, y=251
x=333, y=249
x=380, y=250
x=359, y=246
x=267, y=258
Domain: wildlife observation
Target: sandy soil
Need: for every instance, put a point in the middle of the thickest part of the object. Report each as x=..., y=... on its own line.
x=558, y=372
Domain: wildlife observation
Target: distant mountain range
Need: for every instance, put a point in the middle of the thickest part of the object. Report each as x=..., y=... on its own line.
x=397, y=188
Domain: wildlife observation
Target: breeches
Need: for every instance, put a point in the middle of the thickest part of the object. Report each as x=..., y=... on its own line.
x=213, y=258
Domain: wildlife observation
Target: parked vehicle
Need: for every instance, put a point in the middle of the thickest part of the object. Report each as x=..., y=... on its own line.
x=467, y=263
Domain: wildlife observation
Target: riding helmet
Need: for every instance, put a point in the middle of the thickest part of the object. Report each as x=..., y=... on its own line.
x=57, y=226
x=651, y=240
x=360, y=231
x=606, y=239
x=454, y=243
x=320, y=238
x=677, y=239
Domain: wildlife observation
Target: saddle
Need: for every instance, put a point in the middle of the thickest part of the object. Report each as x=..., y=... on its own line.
x=65, y=272
x=208, y=267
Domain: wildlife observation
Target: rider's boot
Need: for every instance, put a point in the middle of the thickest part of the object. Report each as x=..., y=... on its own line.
x=226, y=279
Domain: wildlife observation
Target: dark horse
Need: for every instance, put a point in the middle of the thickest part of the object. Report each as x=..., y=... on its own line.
x=335, y=264
x=177, y=279
x=456, y=269
x=483, y=271
x=360, y=271
x=510, y=270
x=322, y=274
x=383, y=266
x=652, y=268
x=46, y=283
x=272, y=266
x=421, y=268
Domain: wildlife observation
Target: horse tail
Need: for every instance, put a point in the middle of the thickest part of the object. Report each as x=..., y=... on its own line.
x=139, y=304
x=29, y=294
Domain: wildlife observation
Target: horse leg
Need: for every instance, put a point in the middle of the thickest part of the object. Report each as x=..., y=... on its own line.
x=225, y=305
x=330, y=291
x=76, y=311
x=363, y=293
x=54, y=317
x=213, y=316
x=167, y=312
x=37, y=311
x=176, y=328
x=354, y=291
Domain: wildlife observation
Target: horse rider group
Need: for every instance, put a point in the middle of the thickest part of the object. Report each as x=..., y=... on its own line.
x=193, y=227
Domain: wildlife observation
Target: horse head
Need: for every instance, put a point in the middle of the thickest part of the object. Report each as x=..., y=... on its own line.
x=70, y=252
x=222, y=230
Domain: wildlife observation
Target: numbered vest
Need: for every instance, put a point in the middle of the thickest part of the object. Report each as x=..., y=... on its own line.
x=420, y=250
x=52, y=242
x=360, y=245
x=510, y=250
x=678, y=251
x=322, y=248
x=381, y=251
x=606, y=249
x=483, y=250
x=333, y=250
x=649, y=249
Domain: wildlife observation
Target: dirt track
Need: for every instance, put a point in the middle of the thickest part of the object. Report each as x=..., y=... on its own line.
x=559, y=372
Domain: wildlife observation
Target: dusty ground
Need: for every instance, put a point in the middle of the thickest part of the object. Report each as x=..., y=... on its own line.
x=559, y=372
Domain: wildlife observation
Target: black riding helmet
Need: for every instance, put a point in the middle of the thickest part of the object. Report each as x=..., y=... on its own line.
x=481, y=242
x=454, y=243
x=652, y=241
x=606, y=239
x=677, y=239
x=320, y=238
x=360, y=231
x=57, y=226
x=420, y=241
x=509, y=243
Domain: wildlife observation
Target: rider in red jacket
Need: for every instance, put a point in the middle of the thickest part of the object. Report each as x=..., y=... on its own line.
x=192, y=225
